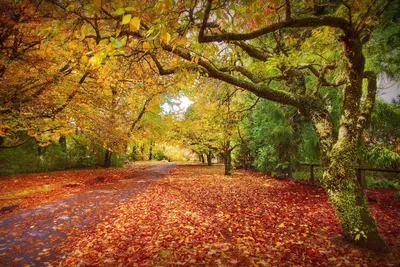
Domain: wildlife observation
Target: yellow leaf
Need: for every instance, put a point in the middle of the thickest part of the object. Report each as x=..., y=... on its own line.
x=117, y=32
x=165, y=36
x=134, y=24
x=126, y=19
x=281, y=225
x=146, y=46
x=168, y=38
x=181, y=41
x=97, y=3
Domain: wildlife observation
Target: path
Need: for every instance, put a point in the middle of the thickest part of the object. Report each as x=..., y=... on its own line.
x=28, y=238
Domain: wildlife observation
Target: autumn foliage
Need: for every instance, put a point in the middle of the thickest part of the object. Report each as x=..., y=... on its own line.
x=196, y=215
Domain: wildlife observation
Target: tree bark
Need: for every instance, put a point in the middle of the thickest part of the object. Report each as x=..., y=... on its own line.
x=63, y=143
x=201, y=157
x=209, y=158
x=228, y=161
x=348, y=198
x=151, y=150
x=107, y=158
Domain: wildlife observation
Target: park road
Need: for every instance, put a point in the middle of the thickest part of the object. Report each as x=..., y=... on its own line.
x=30, y=237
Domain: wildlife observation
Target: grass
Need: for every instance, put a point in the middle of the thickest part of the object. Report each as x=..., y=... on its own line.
x=306, y=176
x=29, y=191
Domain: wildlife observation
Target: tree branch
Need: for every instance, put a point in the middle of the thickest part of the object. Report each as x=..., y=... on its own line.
x=243, y=71
x=70, y=97
x=314, y=22
x=251, y=51
x=17, y=145
x=262, y=90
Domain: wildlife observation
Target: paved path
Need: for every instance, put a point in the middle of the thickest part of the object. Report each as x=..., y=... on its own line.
x=28, y=238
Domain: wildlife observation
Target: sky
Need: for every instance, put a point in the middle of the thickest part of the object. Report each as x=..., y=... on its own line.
x=182, y=103
x=387, y=89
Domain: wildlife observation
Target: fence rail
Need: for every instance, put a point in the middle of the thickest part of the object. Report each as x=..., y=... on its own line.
x=360, y=173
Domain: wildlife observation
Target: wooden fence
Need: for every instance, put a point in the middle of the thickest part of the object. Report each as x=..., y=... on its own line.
x=360, y=173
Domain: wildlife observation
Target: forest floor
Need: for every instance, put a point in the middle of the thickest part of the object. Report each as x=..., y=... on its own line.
x=197, y=216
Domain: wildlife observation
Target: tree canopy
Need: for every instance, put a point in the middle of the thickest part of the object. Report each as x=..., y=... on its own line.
x=99, y=66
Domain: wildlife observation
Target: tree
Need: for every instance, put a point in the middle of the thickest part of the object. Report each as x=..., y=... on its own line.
x=211, y=124
x=283, y=51
x=305, y=57
x=272, y=137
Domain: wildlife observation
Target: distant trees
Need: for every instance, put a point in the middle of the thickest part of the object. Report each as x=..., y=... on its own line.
x=211, y=126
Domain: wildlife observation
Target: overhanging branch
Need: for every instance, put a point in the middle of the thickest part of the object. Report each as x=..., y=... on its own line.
x=314, y=22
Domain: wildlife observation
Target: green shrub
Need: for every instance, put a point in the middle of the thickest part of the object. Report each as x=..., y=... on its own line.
x=159, y=155
x=118, y=160
x=380, y=183
x=20, y=159
x=78, y=152
x=380, y=156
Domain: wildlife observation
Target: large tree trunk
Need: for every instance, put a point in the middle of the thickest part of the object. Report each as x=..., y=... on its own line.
x=348, y=198
x=339, y=154
x=209, y=158
x=202, y=158
x=107, y=158
x=228, y=159
x=340, y=183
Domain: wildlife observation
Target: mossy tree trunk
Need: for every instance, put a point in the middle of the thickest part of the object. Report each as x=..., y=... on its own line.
x=339, y=153
x=348, y=198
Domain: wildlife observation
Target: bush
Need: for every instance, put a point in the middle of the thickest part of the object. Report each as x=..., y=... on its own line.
x=159, y=155
x=20, y=159
x=77, y=152
x=118, y=160
x=380, y=156
x=266, y=159
x=380, y=183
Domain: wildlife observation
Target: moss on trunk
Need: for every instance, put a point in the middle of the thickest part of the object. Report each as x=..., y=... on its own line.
x=349, y=200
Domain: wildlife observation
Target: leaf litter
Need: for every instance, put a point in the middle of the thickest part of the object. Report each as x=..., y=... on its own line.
x=198, y=216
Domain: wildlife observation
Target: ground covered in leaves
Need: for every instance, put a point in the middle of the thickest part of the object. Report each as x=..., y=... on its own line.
x=28, y=190
x=198, y=216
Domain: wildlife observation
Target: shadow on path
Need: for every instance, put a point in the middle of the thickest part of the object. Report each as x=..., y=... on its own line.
x=28, y=238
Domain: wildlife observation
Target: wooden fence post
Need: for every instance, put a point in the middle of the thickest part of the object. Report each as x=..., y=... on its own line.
x=361, y=177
